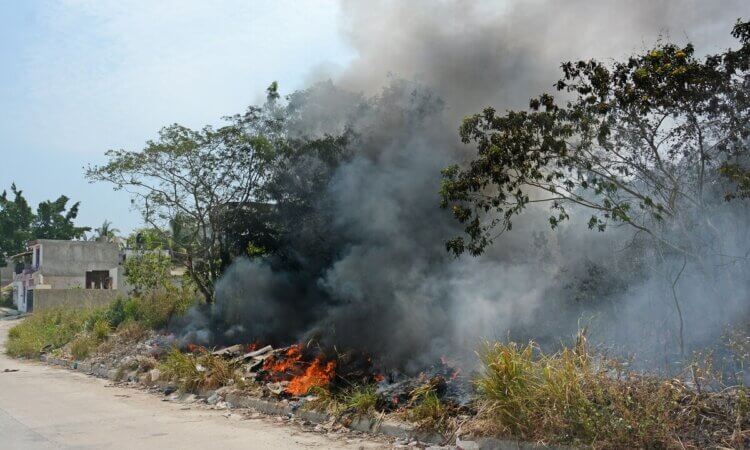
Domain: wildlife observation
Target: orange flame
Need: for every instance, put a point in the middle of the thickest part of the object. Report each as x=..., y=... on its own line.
x=316, y=374
x=194, y=348
x=287, y=364
x=252, y=347
x=449, y=364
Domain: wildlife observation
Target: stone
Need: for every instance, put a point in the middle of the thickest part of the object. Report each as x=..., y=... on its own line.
x=466, y=445
x=213, y=399
x=154, y=375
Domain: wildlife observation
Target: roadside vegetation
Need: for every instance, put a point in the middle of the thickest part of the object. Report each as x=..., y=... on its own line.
x=576, y=397
x=192, y=372
x=81, y=331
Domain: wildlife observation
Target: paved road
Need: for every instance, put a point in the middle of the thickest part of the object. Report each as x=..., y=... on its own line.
x=43, y=407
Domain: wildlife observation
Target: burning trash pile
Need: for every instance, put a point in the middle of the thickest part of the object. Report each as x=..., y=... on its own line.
x=306, y=372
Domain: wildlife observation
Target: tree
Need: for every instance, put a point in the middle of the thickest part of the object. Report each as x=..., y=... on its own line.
x=54, y=221
x=646, y=143
x=18, y=224
x=106, y=233
x=15, y=224
x=148, y=270
x=199, y=180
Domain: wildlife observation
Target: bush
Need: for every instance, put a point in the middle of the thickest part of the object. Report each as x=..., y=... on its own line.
x=101, y=329
x=54, y=328
x=6, y=298
x=154, y=309
x=148, y=271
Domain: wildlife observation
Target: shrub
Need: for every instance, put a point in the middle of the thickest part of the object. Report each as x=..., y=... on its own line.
x=154, y=308
x=101, y=329
x=6, y=298
x=148, y=271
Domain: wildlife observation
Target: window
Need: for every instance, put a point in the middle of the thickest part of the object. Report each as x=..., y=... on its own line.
x=98, y=279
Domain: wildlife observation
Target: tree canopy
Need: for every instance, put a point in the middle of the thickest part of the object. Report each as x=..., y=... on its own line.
x=203, y=182
x=18, y=224
x=248, y=188
x=651, y=142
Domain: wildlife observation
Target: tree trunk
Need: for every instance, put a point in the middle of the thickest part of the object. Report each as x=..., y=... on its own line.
x=208, y=294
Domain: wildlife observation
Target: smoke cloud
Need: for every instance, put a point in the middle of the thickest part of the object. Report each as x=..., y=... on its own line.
x=391, y=288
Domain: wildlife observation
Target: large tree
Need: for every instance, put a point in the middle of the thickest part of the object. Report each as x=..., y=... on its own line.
x=54, y=220
x=657, y=143
x=646, y=142
x=18, y=224
x=15, y=223
x=202, y=181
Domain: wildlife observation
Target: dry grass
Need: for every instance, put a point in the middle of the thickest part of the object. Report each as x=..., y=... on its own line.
x=357, y=400
x=571, y=397
x=131, y=331
x=82, y=345
x=192, y=372
x=47, y=330
x=427, y=411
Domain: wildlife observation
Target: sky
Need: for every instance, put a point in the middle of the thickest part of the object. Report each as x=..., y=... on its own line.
x=80, y=77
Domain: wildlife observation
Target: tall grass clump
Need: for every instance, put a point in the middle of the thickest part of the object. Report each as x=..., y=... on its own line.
x=192, y=372
x=359, y=399
x=573, y=397
x=47, y=330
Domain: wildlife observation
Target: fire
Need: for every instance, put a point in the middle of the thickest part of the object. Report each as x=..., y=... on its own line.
x=456, y=370
x=195, y=348
x=252, y=347
x=317, y=373
x=288, y=364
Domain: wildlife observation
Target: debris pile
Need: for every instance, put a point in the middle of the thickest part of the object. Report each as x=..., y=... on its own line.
x=293, y=372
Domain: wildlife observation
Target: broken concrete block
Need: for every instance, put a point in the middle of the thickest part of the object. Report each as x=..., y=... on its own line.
x=154, y=375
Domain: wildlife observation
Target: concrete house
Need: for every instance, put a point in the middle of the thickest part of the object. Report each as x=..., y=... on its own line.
x=66, y=273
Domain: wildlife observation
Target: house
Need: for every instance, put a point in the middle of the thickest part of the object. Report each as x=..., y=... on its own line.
x=56, y=273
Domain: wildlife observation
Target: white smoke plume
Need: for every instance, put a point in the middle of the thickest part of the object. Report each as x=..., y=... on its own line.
x=392, y=289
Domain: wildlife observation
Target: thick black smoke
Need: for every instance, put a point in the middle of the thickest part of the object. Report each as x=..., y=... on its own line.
x=383, y=281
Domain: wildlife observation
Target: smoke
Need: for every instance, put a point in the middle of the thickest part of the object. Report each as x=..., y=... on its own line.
x=374, y=274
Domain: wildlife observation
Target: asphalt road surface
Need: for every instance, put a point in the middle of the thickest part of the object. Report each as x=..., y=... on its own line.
x=44, y=407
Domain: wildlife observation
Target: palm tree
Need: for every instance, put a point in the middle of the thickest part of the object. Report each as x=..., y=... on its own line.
x=106, y=233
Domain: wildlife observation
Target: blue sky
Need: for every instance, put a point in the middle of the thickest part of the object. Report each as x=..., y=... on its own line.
x=80, y=77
